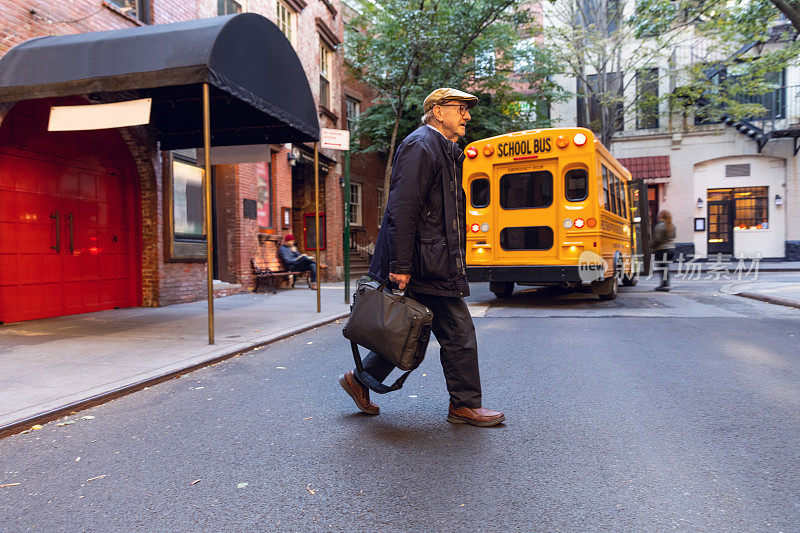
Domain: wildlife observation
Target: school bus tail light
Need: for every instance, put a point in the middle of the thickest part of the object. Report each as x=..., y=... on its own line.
x=562, y=141
x=567, y=223
x=579, y=223
x=471, y=152
x=591, y=223
x=488, y=150
x=579, y=139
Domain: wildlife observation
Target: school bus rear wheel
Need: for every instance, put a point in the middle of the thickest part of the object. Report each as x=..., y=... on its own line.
x=607, y=289
x=502, y=289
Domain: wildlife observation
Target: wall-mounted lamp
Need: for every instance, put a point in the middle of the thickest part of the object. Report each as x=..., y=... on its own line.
x=778, y=199
x=291, y=158
x=700, y=203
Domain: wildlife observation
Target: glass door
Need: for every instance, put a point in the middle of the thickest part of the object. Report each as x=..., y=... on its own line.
x=720, y=221
x=640, y=220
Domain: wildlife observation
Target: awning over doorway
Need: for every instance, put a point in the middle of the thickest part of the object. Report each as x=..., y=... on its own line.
x=259, y=90
x=652, y=169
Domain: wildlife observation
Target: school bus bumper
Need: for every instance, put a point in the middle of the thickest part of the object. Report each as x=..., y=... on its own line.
x=525, y=274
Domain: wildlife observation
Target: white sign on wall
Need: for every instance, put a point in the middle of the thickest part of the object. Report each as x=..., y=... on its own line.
x=334, y=139
x=100, y=116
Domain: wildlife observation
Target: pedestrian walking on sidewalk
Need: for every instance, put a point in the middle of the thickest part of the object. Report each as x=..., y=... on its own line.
x=293, y=260
x=664, y=247
x=421, y=244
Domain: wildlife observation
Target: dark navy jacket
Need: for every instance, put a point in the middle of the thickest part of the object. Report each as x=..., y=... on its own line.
x=287, y=255
x=423, y=232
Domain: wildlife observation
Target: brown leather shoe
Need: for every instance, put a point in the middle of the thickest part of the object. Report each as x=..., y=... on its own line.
x=359, y=393
x=477, y=417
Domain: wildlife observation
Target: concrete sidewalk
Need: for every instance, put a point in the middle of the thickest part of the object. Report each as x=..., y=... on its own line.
x=732, y=266
x=779, y=293
x=51, y=366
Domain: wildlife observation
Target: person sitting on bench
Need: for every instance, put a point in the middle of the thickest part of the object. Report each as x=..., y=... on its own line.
x=295, y=261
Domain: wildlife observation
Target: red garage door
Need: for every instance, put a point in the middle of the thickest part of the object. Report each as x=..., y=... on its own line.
x=67, y=232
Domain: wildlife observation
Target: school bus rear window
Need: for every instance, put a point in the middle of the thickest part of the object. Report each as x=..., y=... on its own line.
x=527, y=238
x=525, y=190
x=576, y=184
x=479, y=194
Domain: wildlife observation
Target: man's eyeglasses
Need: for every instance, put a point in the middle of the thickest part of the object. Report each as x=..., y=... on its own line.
x=462, y=109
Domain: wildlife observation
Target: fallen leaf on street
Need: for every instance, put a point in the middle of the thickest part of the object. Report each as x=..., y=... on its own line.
x=8, y=485
x=77, y=458
x=37, y=426
x=310, y=490
x=97, y=477
x=309, y=418
x=88, y=417
x=257, y=331
x=242, y=485
x=280, y=368
x=68, y=422
x=312, y=342
x=196, y=481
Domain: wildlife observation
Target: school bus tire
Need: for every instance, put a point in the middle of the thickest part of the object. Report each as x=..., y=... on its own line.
x=502, y=289
x=608, y=289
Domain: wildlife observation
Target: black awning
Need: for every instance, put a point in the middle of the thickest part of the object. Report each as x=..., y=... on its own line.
x=259, y=90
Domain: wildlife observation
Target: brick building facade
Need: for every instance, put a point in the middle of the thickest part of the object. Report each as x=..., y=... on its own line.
x=161, y=267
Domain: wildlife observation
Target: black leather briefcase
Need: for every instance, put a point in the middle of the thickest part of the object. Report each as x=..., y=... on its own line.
x=394, y=326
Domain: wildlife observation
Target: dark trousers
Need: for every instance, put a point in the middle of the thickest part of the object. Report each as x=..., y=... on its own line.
x=452, y=325
x=663, y=259
x=303, y=263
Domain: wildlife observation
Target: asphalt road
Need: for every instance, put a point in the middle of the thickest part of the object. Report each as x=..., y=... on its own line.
x=653, y=412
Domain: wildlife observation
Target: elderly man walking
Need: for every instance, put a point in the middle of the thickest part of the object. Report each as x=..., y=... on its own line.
x=422, y=244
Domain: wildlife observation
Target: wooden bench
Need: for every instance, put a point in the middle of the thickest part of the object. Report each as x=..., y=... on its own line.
x=263, y=274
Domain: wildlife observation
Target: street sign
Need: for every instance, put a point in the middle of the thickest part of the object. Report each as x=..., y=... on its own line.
x=335, y=139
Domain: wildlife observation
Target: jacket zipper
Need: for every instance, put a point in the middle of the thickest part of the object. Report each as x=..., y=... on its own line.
x=458, y=216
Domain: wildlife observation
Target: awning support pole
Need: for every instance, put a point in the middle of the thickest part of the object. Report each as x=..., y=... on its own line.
x=207, y=196
x=316, y=222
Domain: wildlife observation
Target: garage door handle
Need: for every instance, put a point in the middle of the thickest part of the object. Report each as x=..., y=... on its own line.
x=57, y=246
x=71, y=236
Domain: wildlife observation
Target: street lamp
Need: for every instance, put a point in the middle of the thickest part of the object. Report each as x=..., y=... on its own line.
x=778, y=200
x=699, y=203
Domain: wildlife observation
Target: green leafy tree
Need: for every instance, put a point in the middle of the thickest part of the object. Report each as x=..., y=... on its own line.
x=594, y=46
x=405, y=49
x=740, y=49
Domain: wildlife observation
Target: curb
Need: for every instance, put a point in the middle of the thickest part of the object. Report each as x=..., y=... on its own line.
x=56, y=413
x=769, y=299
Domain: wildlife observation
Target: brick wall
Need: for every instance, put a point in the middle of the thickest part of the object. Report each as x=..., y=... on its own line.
x=165, y=282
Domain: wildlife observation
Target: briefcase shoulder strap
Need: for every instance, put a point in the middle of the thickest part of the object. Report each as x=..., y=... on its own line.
x=372, y=383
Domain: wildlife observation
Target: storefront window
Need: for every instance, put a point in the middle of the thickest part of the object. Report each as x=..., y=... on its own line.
x=751, y=208
x=264, y=210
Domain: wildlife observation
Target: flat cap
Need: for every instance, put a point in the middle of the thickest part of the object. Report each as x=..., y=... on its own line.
x=444, y=95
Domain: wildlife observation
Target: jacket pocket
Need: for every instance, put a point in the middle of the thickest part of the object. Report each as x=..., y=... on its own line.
x=433, y=258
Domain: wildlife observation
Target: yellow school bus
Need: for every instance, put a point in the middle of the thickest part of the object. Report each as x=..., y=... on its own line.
x=552, y=207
